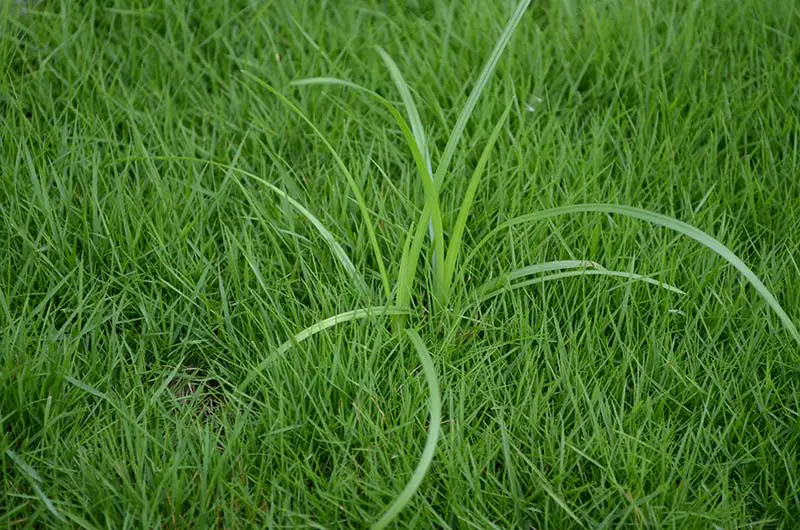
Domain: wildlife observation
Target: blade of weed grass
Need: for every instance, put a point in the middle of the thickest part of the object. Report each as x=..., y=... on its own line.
x=432, y=208
x=547, y=266
x=419, y=135
x=405, y=278
x=337, y=249
x=362, y=205
x=456, y=238
x=469, y=106
x=583, y=272
x=435, y=425
x=667, y=222
x=411, y=107
x=347, y=316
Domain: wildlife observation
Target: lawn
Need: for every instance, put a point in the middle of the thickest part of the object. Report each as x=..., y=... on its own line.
x=232, y=298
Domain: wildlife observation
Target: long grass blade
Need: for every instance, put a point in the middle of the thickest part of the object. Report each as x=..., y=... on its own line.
x=336, y=248
x=546, y=266
x=347, y=316
x=432, y=208
x=434, y=428
x=411, y=107
x=35, y=481
x=472, y=100
x=456, y=237
x=405, y=279
x=362, y=205
x=584, y=272
x=667, y=222
x=402, y=280
x=419, y=135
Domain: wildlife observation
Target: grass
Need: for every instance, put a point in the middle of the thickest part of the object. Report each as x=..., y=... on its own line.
x=171, y=215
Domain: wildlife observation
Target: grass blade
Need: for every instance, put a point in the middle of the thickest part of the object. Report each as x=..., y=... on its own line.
x=547, y=266
x=35, y=481
x=408, y=268
x=362, y=205
x=419, y=135
x=667, y=222
x=433, y=435
x=456, y=238
x=583, y=272
x=432, y=208
x=347, y=316
x=472, y=100
x=411, y=107
x=337, y=249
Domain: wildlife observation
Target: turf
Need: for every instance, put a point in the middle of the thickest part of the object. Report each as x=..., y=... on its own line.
x=144, y=275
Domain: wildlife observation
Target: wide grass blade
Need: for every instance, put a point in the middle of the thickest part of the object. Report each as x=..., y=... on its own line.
x=667, y=222
x=432, y=209
x=584, y=272
x=411, y=107
x=362, y=205
x=472, y=100
x=347, y=316
x=434, y=428
x=546, y=266
x=408, y=266
x=456, y=237
x=337, y=249
x=419, y=135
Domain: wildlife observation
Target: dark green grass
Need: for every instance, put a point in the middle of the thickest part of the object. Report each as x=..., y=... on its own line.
x=138, y=290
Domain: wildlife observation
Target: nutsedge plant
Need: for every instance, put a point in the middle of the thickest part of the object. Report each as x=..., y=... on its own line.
x=447, y=265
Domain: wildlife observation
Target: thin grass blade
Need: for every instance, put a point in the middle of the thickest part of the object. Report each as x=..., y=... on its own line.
x=347, y=316
x=411, y=107
x=432, y=210
x=336, y=248
x=419, y=135
x=472, y=100
x=435, y=425
x=456, y=237
x=667, y=222
x=405, y=279
x=530, y=270
x=584, y=272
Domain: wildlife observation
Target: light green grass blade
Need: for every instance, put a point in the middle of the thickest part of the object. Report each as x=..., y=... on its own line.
x=546, y=266
x=432, y=207
x=411, y=107
x=402, y=280
x=347, y=316
x=667, y=222
x=418, y=129
x=472, y=100
x=362, y=205
x=405, y=279
x=433, y=435
x=337, y=249
x=583, y=272
x=456, y=237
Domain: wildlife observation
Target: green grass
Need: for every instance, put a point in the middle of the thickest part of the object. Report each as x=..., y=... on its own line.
x=169, y=220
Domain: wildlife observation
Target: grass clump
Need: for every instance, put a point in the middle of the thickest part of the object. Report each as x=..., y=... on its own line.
x=168, y=222
x=444, y=264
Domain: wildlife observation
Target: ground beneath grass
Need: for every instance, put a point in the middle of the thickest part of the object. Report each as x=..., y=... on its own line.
x=140, y=285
